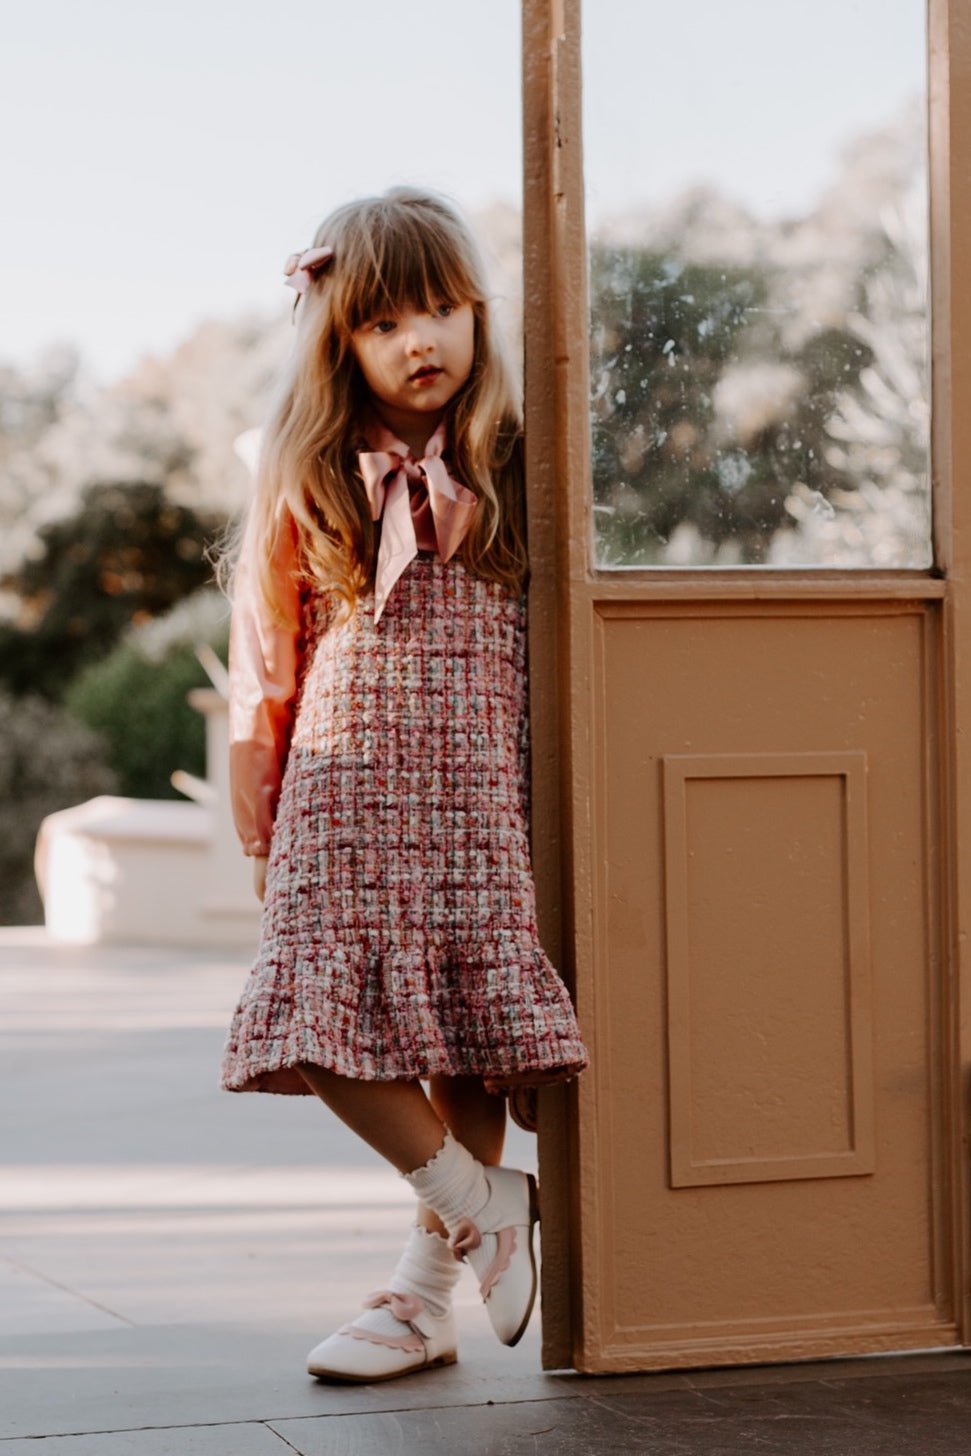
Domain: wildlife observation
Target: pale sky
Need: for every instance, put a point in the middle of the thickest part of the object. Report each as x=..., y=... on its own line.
x=753, y=96
x=161, y=162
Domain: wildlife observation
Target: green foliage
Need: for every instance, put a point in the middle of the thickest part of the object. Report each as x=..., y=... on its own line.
x=666, y=334
x=127, y=555
x=48, y=761
x=136, y=697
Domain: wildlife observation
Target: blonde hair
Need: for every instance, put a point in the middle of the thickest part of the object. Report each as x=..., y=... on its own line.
x=404, y=248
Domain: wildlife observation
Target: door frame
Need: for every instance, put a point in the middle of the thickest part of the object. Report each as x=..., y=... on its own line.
x=565, y=590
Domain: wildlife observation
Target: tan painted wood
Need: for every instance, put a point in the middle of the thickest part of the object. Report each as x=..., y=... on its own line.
x=557, y=1105
x=868, y=586
x=745, y=1029
x=765, y=1161
x=950, y=147
x=763, y=851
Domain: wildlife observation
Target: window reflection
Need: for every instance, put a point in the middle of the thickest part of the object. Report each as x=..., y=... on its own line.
x=759, y=381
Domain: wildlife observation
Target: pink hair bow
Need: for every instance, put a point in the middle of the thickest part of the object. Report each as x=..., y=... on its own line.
x=302, y=268
x=389, y=475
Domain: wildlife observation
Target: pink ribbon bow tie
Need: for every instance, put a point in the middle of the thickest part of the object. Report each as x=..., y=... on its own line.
x=389, y=477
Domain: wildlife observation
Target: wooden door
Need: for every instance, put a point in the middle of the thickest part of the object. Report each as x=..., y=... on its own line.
x=752, y=797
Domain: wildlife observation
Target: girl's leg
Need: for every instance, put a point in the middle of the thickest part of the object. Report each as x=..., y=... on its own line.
x=481, y=1206
x=409, y=1325
x=396, y=1119
x=408, y=1128
x=476, y=1117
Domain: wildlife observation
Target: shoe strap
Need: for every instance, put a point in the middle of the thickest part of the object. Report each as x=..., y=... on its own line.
x=505, y=1248
x=406, y=1308
x=411, y=1342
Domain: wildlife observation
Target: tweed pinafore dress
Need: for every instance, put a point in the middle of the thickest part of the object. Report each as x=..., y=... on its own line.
x=399, y=933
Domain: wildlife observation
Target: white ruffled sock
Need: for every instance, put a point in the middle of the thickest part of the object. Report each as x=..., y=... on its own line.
x=453, y=1183
x=427, y=1268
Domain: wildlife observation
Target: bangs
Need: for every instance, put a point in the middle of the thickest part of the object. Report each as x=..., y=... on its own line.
x=390, y=257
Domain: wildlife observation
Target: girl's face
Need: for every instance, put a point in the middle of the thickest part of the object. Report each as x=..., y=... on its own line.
x=414, y=363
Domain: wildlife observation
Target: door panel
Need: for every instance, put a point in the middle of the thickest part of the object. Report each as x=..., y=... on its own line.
x=769, y=1047
x=765, y=1082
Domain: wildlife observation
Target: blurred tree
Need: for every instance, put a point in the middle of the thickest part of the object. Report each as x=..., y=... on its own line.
x=125, y=556
x=171, y=423
x=136, y=697
x=32, y=402
x=879, y=430
x=48, y=761
x=783, y=416
x=702, y=417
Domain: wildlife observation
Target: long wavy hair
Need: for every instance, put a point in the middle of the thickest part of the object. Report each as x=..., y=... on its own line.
x=406, y=248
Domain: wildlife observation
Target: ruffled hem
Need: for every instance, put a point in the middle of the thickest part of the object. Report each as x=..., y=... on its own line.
x=512, y=1023
x=285, y=1080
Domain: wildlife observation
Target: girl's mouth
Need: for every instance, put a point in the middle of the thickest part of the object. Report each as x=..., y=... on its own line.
x=426, y=375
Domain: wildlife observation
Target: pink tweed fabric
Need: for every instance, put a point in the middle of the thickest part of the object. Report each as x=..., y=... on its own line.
x=399, y=930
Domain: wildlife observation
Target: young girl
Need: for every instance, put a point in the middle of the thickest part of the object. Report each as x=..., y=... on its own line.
x=379, y=762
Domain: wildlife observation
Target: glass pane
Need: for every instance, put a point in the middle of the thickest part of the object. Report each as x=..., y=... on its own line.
x=757, y=215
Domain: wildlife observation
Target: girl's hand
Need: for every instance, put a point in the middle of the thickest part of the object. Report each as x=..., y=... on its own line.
x=259, y=875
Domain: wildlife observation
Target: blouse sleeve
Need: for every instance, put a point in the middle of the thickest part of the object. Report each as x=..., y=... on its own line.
x=263, y=659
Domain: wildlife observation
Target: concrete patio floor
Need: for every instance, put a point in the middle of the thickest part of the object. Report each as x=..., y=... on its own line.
x=169, y=1252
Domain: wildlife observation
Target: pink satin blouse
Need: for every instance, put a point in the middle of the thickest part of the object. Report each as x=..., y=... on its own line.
x=262, y=688
x=420, y=507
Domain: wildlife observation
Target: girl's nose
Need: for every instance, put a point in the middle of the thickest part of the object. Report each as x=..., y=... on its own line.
x=418, y=338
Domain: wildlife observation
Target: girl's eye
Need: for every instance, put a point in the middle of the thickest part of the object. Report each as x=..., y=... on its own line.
x=444, y=309
x=383, y=326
